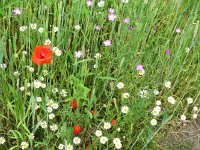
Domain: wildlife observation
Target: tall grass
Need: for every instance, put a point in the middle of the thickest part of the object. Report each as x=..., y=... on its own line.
x=153, y=32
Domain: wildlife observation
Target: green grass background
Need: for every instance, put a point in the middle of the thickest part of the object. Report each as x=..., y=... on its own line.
x=153, y=32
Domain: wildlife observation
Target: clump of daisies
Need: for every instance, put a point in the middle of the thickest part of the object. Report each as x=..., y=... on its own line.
x=117, y=143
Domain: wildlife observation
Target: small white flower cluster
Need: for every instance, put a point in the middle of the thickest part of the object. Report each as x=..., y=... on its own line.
x=3, y=66
x=117, y=143
x=97, y=57
x=98, y=133
x=37, y=84
x=2, y=140
x=33, y=26
x=143, y=93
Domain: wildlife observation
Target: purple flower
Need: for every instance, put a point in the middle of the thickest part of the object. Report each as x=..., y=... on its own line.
x=17, y=11
x=139, y=67
x=167, y=51
x=178, y=30
x=107, y=43
x=78, y=54
x=89, y=3
x=112, y=17
x=130, y=27
x=126, y=20
x=111, y=11
x=97, y=28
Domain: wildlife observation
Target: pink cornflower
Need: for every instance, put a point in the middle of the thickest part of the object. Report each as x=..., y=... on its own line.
x=139, y=67
x=17, y=11
x=89, y=3
x=178, y=30
x=112, y=17
x=111, y=11
x=78, y=54
x=126, y=20
x=97, y=28
x=167, y=51
x=107, y=43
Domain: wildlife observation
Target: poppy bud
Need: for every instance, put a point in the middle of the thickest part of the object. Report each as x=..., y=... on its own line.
x=77, y=129
x=92, y=111
x=74, y=104
x=113, y=122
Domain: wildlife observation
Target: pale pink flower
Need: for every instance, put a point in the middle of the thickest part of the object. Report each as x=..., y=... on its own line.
x=107, y=43
x=112, y=17
x=78, y=54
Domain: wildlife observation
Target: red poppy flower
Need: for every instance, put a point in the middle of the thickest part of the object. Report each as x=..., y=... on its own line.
x=113, y=122
x=74, y=104
x=92, y=111
x=42, y=55
x=77, y=129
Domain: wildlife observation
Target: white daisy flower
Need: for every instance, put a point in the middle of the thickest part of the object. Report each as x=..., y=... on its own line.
x=38, y=99
x=120, y=85
x=43, y=124
x=41, y=30
x=125, y=95
x=183, y=117
x=58, y=52
x=2, y=140
x=31, y=69
x=141, y=72
x=37, y=84
x=21, y=88
x=195, y=108
x=77, y=27
x=76, y=140
x=95, y=66
x=156, y=111
x=168, y=84
x=118, y=146
x=156, y=92
x=97, y=56
x=54, y=127
x=54, y=105
x=103, y=140
x=101, y=3
x=143, y=93
x=55, y=29
x=24, y=145
x=153, y=122
x=61, y=146
x=69, y=147
x=33, y=26
x=116, y=140
x=107, y=125
x=171, y=100
x=51, y=116
x=47, y=42
x=189, y=100
x=50, y=103
x=22, y=28
x=98, y=133
x=124, y=1
x=49, y=109
x=158, y=103
x=194, y=116
x=118, y=129
x=124, y=109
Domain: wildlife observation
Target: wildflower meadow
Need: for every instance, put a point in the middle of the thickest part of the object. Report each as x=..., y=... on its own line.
x=99, y=74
